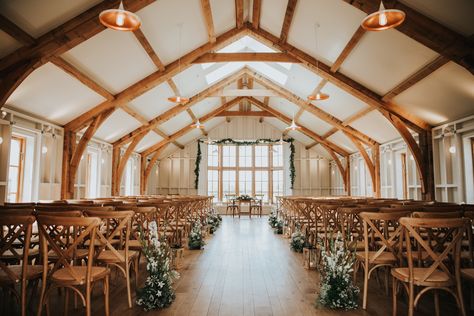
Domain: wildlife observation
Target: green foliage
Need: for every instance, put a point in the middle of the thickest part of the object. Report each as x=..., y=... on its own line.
x=214, y=220
x=337, y=287
x=195, y=240
x=298, y=241
x=272, y=220
x=278, y=229
x=158, y=291
x=196, y=167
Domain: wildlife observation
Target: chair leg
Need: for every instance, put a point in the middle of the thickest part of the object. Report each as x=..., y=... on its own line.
x=137, y=262
x=411, y=299
x=394, y=296
x=366, y=285
x=23, y=297
x=460, y=297
x=41, y=298
x=127, y=278
x=66, y=301
x=88, y=299
x=436, y=302
x=106, y=295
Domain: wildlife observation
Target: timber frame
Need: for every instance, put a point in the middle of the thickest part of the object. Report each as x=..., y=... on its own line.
x=15, y=67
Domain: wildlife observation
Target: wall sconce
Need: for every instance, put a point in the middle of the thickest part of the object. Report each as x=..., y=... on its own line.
x=1, y=140
x=452, y=149
x=44, y=150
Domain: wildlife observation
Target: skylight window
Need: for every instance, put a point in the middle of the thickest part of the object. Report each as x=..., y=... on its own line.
x=270, y=72
x=223, y=72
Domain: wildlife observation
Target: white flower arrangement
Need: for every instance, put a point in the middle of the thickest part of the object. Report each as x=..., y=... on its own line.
x=278, y=228
x=214, y=221
x=337, y=287
x=195, y=240
x=298, y=241
x=158, y=291
x=273, y=219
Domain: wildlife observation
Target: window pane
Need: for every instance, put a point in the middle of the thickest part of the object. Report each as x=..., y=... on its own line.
x=228, y=182
x=245, y=156
x=277, y=183
x=15, y=152
x=213, y=183
x=229, y=156
x=245, y=182
x=277, y=156
x=261, y=156
x=212, y=156
x=261, y=183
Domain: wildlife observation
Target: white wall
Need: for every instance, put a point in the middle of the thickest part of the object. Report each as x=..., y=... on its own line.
x=176, y=173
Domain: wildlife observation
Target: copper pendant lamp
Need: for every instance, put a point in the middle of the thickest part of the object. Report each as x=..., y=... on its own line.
x=120, y=19
x=178, y=99
x=318, y=96
x=383, y=19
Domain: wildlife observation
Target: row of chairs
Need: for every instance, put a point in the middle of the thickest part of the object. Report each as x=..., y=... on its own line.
x=423, y=245
x=75, y=246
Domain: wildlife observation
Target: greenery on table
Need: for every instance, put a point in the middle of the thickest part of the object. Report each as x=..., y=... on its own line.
x=158, y=291
x=244, y=197
x=337, y=287
x=195, y=240
x=230, y=141
x=298, y=241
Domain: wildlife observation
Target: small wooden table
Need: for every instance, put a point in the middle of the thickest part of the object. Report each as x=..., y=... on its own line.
x=245, y=201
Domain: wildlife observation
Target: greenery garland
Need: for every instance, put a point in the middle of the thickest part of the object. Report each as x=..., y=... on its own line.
x=230, y=141
x=196, y=167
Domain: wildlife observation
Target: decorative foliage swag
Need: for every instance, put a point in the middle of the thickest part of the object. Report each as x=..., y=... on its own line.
x=229, y=141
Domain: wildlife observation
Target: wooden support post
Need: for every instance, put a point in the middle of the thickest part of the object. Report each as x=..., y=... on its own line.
x=426, y=146
x=376, y=163
x=347, y=182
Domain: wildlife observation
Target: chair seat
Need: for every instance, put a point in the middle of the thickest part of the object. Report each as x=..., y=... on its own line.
x=438, y=277
x=468, y=274
x=99, y=243
x=108, y=256
x=357, y=245
x=32, y=272
x=384, y=257
x=65, y=276
x=134, y=244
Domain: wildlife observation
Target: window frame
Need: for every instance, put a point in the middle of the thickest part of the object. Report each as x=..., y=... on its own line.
x=253, y=168
x=20, y=167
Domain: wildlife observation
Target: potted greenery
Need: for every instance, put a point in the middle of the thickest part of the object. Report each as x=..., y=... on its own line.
x=195, y=240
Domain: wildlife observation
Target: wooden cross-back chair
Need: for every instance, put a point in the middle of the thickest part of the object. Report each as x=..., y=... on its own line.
x=351, y=225
x=442, y=265
x=467, y=269
x=115, y=226
x=381, y=233
x=16, y=230
x=67, y=270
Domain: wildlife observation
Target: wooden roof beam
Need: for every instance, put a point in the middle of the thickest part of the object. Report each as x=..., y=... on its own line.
x=355, y=39
x=156, y=78
x=285, y=29
x=207, y=12
x=304, y=130
x=67, y=35
x=149, y=49
x=312, y=109
x=16, y=32
x=428, y=32
x=83, y=78
x=245, y=56
x=239, y=13
x=181, y=107
x=247, y=113
x=424, y=72
x=188, y=128
x=257, y=8
x=340, y=80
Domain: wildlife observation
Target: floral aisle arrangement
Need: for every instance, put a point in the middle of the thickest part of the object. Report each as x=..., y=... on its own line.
x=278, y=228
x=214, y=221
x=158, y=291
x=298, y=241
x=272, y=219
x=337, y=287
x=195, y=240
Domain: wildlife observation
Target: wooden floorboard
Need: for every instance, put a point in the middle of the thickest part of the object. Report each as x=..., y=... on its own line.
x=244, y=269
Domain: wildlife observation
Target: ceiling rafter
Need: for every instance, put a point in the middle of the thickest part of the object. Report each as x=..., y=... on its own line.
x=239, y=13
x=246, y=113
x=285, y=29
x=428, y=32
x=304, y=130
x=180, y=107
x=189, y=128
x=312, y=109
x=83, y=78
x=343, y=82
x=156, y=78
x=257, y=7
x=67, y=35
x=207, y=12
x=16, y=32
x=140, y=36
x=424, y=72
x=144, y=121
x=245, y=56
